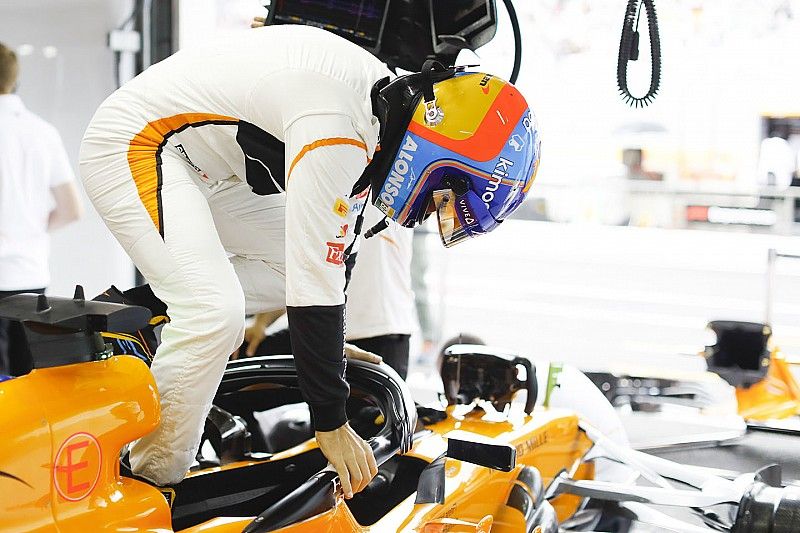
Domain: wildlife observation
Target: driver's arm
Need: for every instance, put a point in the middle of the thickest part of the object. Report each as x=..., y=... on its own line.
x=324, y=158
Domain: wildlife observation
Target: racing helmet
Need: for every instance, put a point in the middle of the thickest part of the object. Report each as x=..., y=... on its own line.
x=462, y=144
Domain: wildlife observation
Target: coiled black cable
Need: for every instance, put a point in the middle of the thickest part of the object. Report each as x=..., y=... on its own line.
x=629, y=51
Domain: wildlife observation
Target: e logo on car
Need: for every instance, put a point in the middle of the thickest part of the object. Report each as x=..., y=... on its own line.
x=76, y=467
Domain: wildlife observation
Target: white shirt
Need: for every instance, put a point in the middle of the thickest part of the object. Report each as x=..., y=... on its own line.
x=380, y=300
x=776, y=157
x=32, y=161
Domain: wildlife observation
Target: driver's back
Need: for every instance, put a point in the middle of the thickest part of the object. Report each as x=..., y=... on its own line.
x=261, y=80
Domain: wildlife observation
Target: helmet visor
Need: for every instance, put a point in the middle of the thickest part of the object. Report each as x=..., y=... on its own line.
x=451, y=230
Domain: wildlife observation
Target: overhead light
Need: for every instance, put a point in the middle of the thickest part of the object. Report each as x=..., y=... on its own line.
x=49, y=52
x=25, y=50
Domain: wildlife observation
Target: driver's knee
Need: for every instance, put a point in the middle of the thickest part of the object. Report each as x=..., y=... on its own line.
x=263, y=284
x=211, y=321
x=224, y=320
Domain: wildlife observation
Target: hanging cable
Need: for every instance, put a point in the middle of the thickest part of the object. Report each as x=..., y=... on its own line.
x=512, y=15
x=629, y=51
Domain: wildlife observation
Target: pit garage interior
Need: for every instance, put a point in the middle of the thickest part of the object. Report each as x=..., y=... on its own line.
x=620, y=352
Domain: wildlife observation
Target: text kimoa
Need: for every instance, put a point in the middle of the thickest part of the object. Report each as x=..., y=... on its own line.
x=500, y=171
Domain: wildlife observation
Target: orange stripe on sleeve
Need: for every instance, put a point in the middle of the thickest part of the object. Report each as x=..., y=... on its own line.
x=389, y=240
x=333, y=141
x=143, y=151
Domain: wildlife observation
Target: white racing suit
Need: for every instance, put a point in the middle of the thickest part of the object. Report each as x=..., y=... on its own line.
x=225, y=172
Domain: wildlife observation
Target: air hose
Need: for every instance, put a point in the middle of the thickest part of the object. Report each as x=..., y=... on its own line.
x=629, y=51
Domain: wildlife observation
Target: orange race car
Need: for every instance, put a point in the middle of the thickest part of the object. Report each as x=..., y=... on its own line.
x=483, y=463
x=765, y=389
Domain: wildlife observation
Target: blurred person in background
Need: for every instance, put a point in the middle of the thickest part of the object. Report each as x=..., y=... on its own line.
x=380, y=301
x=380, y=304
x=428, y=324
x=37, y=195
x=776, y=162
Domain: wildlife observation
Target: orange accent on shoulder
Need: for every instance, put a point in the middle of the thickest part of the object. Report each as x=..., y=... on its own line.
x=333, y=141
x=144, y=147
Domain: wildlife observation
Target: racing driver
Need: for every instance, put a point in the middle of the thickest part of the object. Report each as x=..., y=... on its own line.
x=226, y=172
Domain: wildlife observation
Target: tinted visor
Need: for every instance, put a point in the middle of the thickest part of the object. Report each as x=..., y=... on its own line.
x=451, y=230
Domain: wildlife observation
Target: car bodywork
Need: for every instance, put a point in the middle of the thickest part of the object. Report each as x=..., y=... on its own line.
x=67, y=421
x=481, y=464
x=766, y=392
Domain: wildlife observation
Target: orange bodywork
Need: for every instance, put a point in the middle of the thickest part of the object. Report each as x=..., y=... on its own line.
x=475, y=496
x=549, y=440
x=775, y=396
x=64, y=427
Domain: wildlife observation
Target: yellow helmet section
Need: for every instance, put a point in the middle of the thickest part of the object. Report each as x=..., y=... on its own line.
x=464, y=100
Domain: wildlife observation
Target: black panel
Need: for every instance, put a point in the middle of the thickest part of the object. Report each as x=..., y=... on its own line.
x=360, y=22
x=430, y=486
x=263, y=159
x=496, y=456
x=64, y=331
x=314, y=497
x=161, y=30
x=395, y=481
x=64, y=316
x=241, y=491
